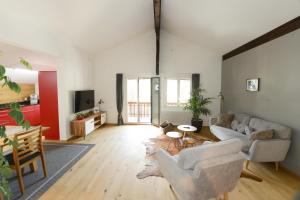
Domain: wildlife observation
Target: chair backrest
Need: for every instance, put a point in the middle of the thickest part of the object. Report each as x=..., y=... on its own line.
x=188, y=158
x=218, y=175
x=29, y=143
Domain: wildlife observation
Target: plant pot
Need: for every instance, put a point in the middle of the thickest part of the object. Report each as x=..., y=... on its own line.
x=198, y=124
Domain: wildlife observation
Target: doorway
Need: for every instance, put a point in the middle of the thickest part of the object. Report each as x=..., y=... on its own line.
x=139, y=100
x=143, y=100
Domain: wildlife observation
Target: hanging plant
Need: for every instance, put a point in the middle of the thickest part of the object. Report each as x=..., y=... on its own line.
x=16, y=114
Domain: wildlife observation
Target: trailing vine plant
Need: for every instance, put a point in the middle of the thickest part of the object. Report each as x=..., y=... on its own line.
x=16, y=114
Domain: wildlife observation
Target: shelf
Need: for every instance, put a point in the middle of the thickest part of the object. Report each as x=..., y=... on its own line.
x=97, y=121
x=84, y=127
x=97, y=126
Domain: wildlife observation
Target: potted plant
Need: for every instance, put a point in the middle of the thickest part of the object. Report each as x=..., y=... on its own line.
x=197, y=105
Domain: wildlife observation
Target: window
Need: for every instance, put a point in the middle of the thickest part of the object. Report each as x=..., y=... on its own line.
x=178, y=91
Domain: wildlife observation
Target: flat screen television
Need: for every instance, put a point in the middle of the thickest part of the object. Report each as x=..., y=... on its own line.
x=84, y=100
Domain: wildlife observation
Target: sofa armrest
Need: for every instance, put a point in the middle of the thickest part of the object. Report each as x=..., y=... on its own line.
x=213, y=121
x=165, y=159
x=274, y=150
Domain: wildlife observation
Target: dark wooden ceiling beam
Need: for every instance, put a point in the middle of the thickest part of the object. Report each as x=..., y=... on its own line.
x=157, y=21
x=275, y=33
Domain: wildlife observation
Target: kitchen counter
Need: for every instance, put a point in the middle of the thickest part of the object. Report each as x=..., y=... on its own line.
x=22, y=104
x=30, y=112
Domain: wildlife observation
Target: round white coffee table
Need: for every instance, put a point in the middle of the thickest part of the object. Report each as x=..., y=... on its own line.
x=174, y=136
x=186, y=129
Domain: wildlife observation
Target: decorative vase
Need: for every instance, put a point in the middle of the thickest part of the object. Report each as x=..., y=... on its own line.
x=198, y=124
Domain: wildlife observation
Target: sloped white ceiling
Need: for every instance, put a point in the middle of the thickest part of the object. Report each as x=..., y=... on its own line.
x=224, y=25
x=95, y=25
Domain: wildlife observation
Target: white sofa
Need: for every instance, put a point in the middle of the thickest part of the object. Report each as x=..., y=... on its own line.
x=271, y=150
x=205, y=171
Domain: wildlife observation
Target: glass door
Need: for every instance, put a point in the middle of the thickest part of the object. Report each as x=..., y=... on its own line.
x=139, y=100
x=155, y=101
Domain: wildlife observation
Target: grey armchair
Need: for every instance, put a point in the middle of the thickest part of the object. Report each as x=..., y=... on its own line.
x=203, y=172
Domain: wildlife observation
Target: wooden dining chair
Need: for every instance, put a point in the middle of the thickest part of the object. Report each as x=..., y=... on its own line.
x=29, y=148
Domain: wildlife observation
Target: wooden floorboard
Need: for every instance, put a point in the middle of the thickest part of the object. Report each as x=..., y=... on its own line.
x=108, y=172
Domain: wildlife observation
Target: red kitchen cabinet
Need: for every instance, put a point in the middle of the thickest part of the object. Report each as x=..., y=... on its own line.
x=5, y=119
x=30, y=112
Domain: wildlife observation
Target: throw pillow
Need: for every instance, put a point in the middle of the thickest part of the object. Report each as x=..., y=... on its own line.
x=234, y=125
x=248, y=130
x=262, y=135
x=241, y=128
x=225, y=120
x=169, y=128
x=164, y=124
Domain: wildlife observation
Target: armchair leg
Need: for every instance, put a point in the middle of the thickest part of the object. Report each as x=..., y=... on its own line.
x=226, y=196
x=276, y=166
x=247, y=164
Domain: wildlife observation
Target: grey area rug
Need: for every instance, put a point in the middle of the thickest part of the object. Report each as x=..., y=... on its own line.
x=59, y=159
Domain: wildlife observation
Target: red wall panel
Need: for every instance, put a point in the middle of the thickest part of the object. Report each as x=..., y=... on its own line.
x=49, y=103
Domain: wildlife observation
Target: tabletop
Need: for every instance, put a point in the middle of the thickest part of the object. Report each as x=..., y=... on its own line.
x=186, y=128
x=174, y=134
x=13, y=130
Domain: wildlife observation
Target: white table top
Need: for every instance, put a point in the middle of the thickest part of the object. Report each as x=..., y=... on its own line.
x=174, y=134
x=187, y=128
x=13, y=130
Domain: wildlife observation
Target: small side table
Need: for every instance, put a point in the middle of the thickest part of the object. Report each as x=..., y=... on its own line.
x=186, y=129
x=187, y=141
x=175, y=137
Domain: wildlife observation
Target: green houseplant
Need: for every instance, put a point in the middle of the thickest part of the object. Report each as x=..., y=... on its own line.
x=16, y=114
x=197, y=104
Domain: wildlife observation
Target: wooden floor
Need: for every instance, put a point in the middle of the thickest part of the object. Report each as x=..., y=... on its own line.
x=108, y=172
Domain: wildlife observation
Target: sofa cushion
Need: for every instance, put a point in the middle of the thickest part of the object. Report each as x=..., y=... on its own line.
x=262, y=135
x=280, y=132
x=225, y=120
x=227, y=134
x=234, y=125
x=242, y=118
x=248, y=130
x=241, y=128
x=190, y=156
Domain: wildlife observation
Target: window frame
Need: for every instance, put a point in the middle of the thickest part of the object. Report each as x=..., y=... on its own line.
x=178, y=103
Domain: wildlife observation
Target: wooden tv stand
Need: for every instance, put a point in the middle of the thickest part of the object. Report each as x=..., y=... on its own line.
x=87, y=125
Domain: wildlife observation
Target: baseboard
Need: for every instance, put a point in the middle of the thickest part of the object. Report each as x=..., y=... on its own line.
x=288, y=171
x=57, y=141
x=111, y=124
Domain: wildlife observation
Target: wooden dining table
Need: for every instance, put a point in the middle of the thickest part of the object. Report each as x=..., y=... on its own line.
x=11, y=131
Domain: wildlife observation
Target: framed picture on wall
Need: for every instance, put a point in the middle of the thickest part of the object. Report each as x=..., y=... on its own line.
x=252, y=85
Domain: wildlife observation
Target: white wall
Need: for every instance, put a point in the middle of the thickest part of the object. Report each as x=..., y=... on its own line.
x=74, y=72
x=73, y=66
x=180, y=57
x=136, y=57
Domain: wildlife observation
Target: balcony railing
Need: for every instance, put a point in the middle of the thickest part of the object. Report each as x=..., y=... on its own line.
x=141, y=109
